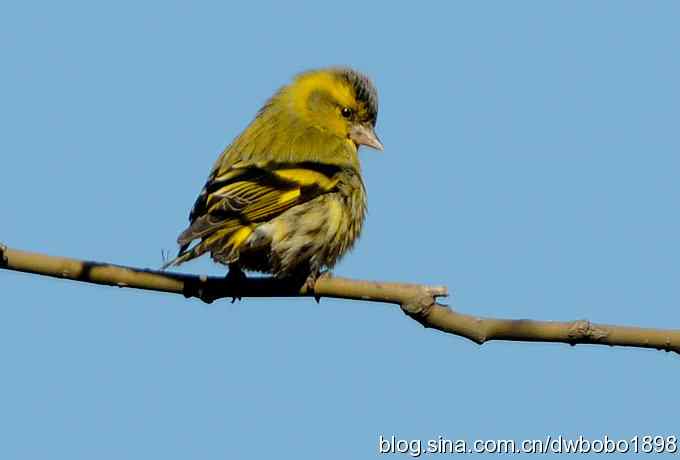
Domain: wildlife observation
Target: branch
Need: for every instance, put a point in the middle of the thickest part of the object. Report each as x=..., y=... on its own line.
x=418, y=301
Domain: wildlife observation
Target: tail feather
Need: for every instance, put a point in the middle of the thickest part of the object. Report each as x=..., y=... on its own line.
x=227, y=248
x=224, y=244
x=186, y=254
x=202, y=227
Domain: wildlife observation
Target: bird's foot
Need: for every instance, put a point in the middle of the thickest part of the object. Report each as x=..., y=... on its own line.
x=314, y=276
x=235, y=277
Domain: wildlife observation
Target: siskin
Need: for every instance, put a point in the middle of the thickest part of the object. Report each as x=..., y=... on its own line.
x=287, y=197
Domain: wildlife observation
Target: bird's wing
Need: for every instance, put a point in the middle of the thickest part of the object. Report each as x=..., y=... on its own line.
x=233, y=201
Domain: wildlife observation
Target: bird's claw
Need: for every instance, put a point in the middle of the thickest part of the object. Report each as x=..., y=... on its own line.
x=313, y=277
x=235, y=277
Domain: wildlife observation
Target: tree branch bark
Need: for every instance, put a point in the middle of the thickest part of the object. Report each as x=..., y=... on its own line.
x=418, y=301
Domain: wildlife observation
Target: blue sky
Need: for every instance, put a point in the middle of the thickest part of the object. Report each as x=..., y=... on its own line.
x=531, y=164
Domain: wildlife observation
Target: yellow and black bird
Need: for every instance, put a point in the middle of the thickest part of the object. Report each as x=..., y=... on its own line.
x=287, y=197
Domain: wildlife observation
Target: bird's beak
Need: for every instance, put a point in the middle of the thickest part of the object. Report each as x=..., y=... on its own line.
x=363, y=134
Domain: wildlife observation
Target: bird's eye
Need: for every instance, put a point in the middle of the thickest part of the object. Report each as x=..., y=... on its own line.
x=346, y=112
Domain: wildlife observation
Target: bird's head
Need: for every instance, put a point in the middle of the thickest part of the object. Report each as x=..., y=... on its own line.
x=339, y=101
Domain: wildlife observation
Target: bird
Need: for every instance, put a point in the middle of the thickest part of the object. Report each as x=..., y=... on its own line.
x=287, y=197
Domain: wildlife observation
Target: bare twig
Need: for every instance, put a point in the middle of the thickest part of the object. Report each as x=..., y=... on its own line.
x=417, y=301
